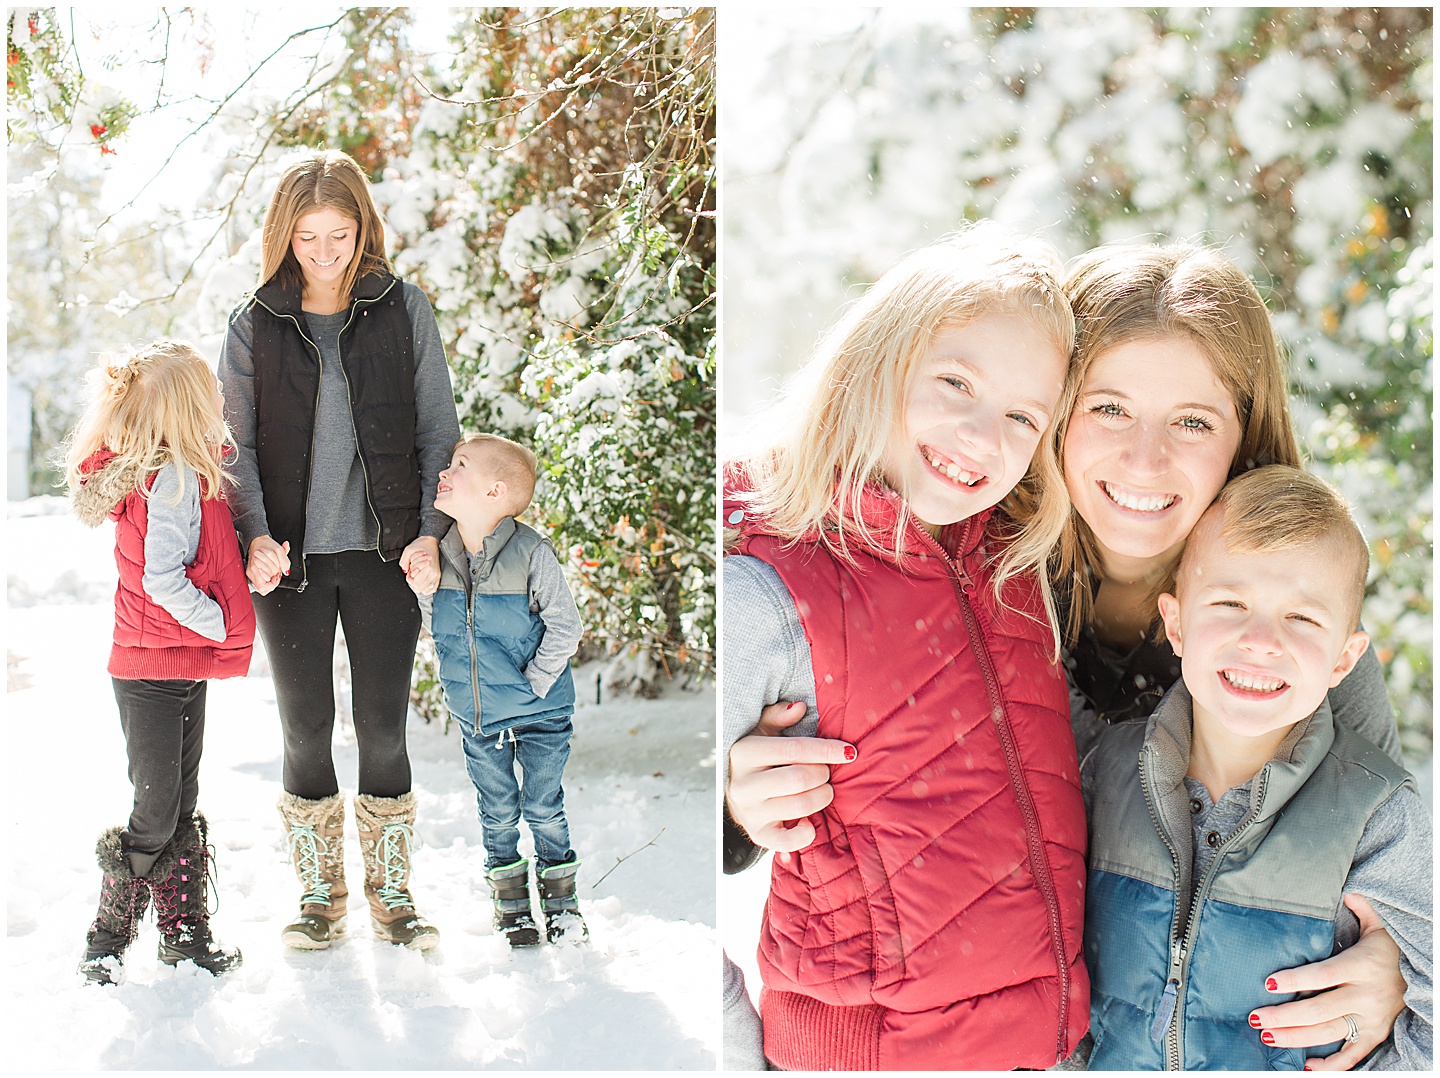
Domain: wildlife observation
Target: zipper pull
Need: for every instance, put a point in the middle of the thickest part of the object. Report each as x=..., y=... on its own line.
x=1166, y=1010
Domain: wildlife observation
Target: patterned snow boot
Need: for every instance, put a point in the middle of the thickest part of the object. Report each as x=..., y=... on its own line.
x=559, y=905
x=315, y=834
x=124, y=898
x=510, y=886
x=387, y=834
x=179, y=883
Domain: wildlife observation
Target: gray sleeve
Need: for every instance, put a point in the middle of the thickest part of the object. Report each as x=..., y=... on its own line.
x=437, y=428
x=427, y=605
x=237, y=377
x=1360, y=703
x=550, y=598
x=744, y=1047
x=171, y=536
x=1393, y=869
x=766, y=659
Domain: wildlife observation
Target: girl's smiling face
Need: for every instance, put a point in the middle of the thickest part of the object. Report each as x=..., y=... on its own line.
x=324, y=244
x=1149, y=445
x=977, y=405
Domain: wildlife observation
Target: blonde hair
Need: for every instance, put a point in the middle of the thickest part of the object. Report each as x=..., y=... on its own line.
x=810, y=483
x=513, y=463
x=150, y=405
x=325, y=179
x=1127, y=293
x=1278, y=507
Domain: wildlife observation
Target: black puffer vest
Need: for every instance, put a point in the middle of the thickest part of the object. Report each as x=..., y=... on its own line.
x=378, y=358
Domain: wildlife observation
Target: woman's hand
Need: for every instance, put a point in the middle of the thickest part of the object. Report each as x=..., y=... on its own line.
x=776, y=782
x=267, y=563
x=421, y=564
x=1362, y=981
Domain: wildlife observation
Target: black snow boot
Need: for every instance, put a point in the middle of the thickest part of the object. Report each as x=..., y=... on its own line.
x=178, y=883
x=510, y=886
x=124, y=898
x=558, y=903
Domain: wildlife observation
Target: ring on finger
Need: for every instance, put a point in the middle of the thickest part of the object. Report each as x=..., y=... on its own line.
x=1354, y=1033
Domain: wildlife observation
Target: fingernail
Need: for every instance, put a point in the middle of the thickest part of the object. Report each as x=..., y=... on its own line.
x=1272, y=985
x=1308, y=1067
x=1268, y=1037
x=1255, y=1020
x=850, y=752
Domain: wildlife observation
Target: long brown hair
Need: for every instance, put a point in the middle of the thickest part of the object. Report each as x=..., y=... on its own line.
x=1141, y=292
x=325, y=179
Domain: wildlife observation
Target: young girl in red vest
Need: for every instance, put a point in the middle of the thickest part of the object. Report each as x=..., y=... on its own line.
x=148, y=454
x=886, y=567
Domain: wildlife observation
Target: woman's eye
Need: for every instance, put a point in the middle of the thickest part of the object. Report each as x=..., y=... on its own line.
x=1108, y=409
x=1195, y=423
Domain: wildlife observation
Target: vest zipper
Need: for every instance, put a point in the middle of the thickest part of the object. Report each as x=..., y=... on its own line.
x=364, y=469
x=1171, y=1014
x=1039, y=863
x=470, y=639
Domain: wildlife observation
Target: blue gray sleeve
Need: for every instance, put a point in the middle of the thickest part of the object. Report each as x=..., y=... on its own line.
x=550, y=598
x=437, y=428
x=1360, y=703
x=237, y=377
x=172, y=536
x=744, y=1048
x=427, y=606
x=766, y=659
x=1393, y=869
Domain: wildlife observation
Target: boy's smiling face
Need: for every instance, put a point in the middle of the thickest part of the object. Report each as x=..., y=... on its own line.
x=468, y=483
x=1262, y=636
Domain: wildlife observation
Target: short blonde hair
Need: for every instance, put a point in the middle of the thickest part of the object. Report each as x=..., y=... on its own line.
x=855, y=386
x=514, y=463
x=325, y=179
x=1126, y=293
x=1278, y=507
x=149, y=405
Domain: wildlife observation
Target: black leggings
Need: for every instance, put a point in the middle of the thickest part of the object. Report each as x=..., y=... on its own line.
x=382, y=624
x=164, y=725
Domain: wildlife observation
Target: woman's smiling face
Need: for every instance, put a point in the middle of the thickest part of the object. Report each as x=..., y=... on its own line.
x=324, y=245
x=1149, y=445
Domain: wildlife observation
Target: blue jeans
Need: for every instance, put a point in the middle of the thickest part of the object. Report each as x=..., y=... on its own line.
x=541, y=747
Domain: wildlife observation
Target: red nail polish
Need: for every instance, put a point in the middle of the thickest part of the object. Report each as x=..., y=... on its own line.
x=1268, y=1037
x=849, y=753
x=1272, y=985
x=1308, y=1067
x=1255, y=1020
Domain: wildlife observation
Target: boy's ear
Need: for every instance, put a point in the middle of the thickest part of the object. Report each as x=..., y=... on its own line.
x=499, y=490
x=1349, y=656
x=1170, y=614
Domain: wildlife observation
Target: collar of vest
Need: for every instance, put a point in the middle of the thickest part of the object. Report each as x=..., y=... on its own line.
x=452, y=547
x=881, y=512
x=282, y=300
x=1167, y=753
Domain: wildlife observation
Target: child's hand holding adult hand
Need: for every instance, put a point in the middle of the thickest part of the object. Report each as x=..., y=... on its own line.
x=1362, y=981
x=421, y=564
x=776, y=782
x=267, y=563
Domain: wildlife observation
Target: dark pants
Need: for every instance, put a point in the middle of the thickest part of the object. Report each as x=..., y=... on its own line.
x=382, y=623
x=164, y=725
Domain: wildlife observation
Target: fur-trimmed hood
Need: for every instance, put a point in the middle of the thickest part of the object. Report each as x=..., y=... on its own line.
x=104, y=486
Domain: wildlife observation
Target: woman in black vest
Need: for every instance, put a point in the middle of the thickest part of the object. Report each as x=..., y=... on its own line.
x=338, y=392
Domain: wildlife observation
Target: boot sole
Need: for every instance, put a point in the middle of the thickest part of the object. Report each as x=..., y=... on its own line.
x=173, y=958
x=425, y=942
x=295, y=938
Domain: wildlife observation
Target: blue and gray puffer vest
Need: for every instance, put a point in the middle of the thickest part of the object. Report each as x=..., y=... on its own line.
x=486, y=633
x=1178, y=964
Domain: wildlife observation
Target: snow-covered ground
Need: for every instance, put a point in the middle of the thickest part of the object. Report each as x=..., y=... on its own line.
x=640, y=786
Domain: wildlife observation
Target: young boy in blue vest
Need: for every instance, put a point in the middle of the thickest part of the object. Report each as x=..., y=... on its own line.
x=1228, y=852
x=505, y=626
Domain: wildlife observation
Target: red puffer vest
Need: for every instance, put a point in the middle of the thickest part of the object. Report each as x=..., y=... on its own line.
x=148, y=641
x=935, y=921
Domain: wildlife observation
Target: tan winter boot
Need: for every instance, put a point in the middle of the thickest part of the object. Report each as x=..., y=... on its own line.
x=387, y=832
x=316, y=837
